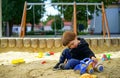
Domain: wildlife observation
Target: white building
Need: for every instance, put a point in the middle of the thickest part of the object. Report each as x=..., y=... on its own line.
x=17, y=28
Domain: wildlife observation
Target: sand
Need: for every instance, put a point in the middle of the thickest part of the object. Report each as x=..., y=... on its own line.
x=33, y=67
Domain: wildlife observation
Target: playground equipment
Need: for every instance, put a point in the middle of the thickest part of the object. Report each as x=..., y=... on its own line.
x=104, y=19
x=86, y=65
x=91, y=28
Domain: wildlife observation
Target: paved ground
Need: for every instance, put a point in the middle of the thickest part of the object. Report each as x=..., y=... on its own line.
x=83, y=36
x=59, y=36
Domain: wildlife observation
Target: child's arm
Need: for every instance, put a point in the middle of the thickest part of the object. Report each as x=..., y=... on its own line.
x=90, y=52
x=63, y=58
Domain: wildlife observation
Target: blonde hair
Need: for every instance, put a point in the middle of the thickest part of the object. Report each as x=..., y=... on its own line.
x=67, y=37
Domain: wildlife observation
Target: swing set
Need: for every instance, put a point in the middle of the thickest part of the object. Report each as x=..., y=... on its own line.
x=105, y=27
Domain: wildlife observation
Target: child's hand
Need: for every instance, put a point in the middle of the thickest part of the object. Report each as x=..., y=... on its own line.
x=94, y=59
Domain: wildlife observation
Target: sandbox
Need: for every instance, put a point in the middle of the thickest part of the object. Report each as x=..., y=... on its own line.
x=35, y=67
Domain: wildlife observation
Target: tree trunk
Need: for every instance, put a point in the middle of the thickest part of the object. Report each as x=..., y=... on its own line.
x=32, y=28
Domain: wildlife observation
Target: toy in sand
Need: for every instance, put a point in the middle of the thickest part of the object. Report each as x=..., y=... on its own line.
x=86, y=75
x=40, y=55
x=18, y=61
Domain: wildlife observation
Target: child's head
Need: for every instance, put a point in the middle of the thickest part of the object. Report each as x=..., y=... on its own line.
x=68, y=37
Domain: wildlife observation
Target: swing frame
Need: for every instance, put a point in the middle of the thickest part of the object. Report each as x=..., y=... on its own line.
x=105, y=26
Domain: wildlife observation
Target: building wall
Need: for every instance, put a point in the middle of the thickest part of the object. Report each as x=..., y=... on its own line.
x=16, y=29
x=113, y=17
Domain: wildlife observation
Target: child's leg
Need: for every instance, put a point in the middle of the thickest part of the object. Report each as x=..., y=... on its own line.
x=65, y=55
x=71, y=63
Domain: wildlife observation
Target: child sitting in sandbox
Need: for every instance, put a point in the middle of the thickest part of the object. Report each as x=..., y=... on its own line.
x=77, y=50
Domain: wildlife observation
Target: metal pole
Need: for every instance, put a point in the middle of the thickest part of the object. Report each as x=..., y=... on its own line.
x=106, y=21
x=55, y=25
x=103, y=22
x=64, y=3
x=75, y=20
x=33, y=17
x=23, y=22
x=103, y=26
x=0, y=18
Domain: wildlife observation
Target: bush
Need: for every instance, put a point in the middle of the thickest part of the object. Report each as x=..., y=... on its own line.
x=82, y=33
x=30, y=33
x=44, y=33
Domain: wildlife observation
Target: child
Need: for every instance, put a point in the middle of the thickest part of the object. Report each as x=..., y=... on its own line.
x=77, y=49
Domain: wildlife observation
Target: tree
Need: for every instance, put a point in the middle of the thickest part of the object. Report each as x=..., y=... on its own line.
x=57, y=23
x=12, y=12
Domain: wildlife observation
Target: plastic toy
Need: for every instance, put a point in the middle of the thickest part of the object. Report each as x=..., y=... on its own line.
x=94, y=76
x=90, y=68
x=88, y=76
x=85, y=65
x=40, y=54
x=47, y=54
x=99, y=67
x=106, y=57
x=88, y=65
x=51, y=53
x=43, y=62
x=17, y=61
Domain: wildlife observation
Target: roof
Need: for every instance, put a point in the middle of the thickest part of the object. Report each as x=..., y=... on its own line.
x=66, y=23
